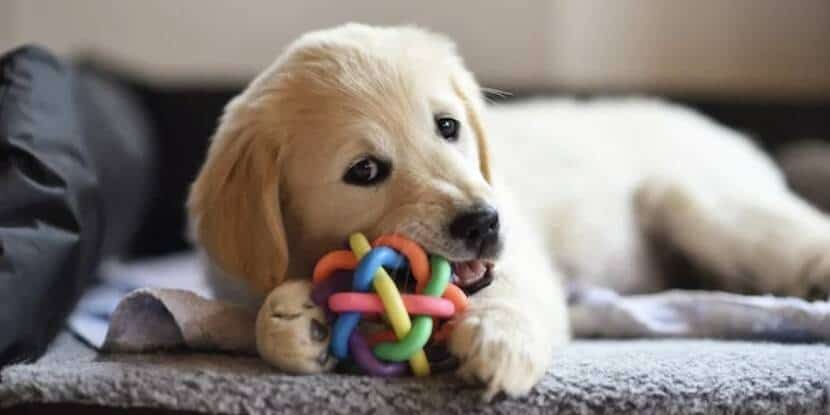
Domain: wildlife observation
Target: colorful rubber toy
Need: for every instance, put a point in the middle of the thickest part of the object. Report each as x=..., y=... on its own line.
x=370, y=291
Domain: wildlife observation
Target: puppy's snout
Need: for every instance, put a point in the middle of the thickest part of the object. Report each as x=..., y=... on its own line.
x=478, y=228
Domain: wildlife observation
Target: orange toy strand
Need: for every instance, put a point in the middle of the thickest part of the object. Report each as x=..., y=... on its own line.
x=333, y=261
x=418, y=262
x=444, y=332
x=457, y=297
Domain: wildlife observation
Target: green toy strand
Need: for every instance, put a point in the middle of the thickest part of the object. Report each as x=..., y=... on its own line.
x=418, y=335
x=402, y=350
x=440, y=277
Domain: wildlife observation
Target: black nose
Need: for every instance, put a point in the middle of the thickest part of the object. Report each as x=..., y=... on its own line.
x=478, y=228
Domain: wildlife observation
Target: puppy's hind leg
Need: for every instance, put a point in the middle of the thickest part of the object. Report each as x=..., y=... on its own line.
x=754, y=240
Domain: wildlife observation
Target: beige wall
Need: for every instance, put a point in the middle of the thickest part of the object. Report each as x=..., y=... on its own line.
x=6, y=30
x=746, y=47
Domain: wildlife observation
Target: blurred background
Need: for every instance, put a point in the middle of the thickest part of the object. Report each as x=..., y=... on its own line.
x=762, y=66
x=739, y=48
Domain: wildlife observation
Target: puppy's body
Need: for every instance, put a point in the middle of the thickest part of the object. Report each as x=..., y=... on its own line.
x=582, y=189
x=604, y=180
x=578, y=167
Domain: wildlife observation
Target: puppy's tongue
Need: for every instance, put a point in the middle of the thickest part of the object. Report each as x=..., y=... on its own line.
x=468, y=273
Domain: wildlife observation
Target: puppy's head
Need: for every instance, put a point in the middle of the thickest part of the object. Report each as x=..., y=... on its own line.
x=352, y=129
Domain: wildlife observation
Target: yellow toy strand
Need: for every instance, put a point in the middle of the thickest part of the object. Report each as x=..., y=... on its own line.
x=393, y=304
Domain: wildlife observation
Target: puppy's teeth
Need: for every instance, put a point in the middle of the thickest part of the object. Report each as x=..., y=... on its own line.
x=477, y=268
x=469, y=272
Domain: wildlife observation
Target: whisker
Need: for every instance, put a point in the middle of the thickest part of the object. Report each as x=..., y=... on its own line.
x=491, y=95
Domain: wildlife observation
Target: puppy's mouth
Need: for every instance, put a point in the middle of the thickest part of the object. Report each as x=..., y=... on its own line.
x=472, y=276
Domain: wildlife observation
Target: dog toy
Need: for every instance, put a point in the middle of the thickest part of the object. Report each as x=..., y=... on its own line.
x=416, y=318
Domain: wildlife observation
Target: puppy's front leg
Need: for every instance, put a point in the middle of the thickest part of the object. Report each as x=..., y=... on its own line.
x=291, y=332
x=508, y=336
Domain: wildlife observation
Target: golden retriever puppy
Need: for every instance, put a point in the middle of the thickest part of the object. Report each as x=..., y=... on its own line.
x=383, y=130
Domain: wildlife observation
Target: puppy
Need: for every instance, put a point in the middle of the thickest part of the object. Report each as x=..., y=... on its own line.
x=383, y=130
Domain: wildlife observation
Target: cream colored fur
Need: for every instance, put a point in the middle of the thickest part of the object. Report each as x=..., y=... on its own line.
x=580, y=186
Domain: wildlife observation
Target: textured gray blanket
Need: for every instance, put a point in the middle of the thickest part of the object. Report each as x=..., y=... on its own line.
x=589, y=377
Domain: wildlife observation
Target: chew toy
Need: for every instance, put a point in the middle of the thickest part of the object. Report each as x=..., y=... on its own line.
x=416, y=319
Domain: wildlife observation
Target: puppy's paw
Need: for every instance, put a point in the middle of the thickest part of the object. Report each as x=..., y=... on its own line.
x=501, y=346
x=816, y=275
x=801, y=269
x=291, y=332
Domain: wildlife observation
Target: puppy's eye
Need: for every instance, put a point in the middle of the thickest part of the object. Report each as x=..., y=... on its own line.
x=448, y=127
x=367, y=171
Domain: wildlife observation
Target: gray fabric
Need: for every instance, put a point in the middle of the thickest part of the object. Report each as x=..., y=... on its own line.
x=589, y=377
x=163, y=319
x=599, y=312
x=75, y=168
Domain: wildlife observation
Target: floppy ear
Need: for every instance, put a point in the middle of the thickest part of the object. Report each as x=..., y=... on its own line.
x=467, y=89
x=235, y=207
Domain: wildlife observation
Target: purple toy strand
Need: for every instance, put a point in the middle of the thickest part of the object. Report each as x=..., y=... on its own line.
x=338, y=282
x=363, y=356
